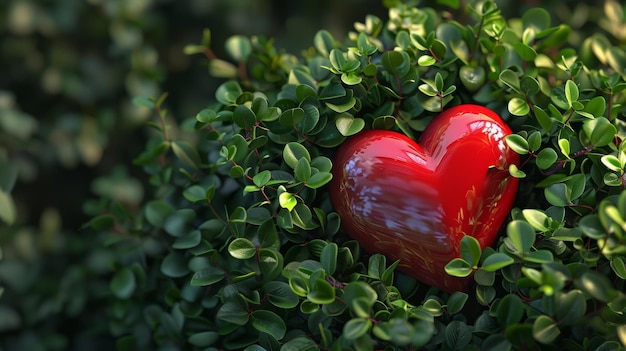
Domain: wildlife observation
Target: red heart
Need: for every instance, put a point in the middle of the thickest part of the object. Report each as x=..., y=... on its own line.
x=415, y=202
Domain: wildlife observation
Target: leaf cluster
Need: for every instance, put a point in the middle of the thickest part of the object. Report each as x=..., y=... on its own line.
x=240, y=247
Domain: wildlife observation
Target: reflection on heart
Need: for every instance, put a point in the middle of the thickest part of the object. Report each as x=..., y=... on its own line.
x=414, y=202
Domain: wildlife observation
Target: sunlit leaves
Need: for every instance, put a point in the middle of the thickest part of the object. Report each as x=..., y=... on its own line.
x=242, y=229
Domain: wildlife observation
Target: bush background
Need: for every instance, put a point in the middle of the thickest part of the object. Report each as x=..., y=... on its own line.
x=68, y=130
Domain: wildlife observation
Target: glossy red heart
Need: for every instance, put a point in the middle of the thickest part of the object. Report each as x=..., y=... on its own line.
x=414, y=202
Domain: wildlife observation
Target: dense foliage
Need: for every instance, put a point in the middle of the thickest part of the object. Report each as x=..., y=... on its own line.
x=235, y=244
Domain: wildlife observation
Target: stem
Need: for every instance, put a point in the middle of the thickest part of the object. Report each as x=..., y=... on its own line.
x=243, y=74
x=303, y=136
x=610, y=105
x=569, y=117
x=209, y=54
x=583, y=151
x=432, y=53
x=267, y=198
x=441, y=102
x=477, y=37
x=163, y=124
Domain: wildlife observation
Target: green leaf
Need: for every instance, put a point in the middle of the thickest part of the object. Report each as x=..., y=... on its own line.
x=244, y=117
x=398, y=331
x=510, y=310
x=432, y=306
x=98, y=223
x=300, y=343
x=557, y=194
x=529, y=85
x=564, y=147
x=376, y=265
x=321, y=292
x=262, y=178
x=360, y=297
x=426, y=61
x=242, y=248
x=543, y=118
x=517, y=143
x=207, y=276
x=396, y=62
x=545, y=329
x=596, y=285
x=524, y=51
x=596, y=106
x=236, y=172
x=306, y=92
x=546, y=158
x=287, y=200
x=456, y=301
x=457, y=335
x=293, y=152
x=223, y=69
x=157, y=211
x=337, y=60
x=612, y=163
x=186, y=153
x=536, y=18
x=291, y=116
x=343, y=106
x=280, y=294
x=618, y=265
x=174, y=265
x=439, y=82
x=599, y=131
x=521, y=236
x=592, y=227
x=485, y=294
x=355, y=328
x=239, y=48
x=238, y=148
x=298, y=285
x=204, y=339
x=483, y=277
x=572, y=306
x=8, y=211
x=571, y=92
x=348, y=125
x=328, y=258
x=195, y=194
x=123, y=283
x=191, y=240
x=351, y=78
x=516, y=172
x=234, y=313
x=538, y=219
x=458, y=267
x=269, y=322
x=271, y=263
x=510, y=79
x=228, y=92
x=497, y=261
x=470, y=250
x=303, y=170
x=323, y=42
x=453, y=4
x=518, y=107
x=319, y=179
x=142, y=101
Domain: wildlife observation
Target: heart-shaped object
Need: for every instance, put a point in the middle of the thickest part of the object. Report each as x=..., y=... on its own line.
x=414, y=202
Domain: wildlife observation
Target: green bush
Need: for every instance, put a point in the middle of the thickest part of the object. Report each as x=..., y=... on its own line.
x=235, y=245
